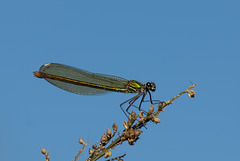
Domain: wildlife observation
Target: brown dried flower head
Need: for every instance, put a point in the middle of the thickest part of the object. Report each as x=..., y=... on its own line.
x=94, y=146
x=108, y=154
x=131, y=141
x=43, y=151
x=141, y=120
x=140, y=114
x=109, y=132
x=150, y=111
x=80, y=140
x=160, y=106
x=134, y=116
x=90, y=151
x=191, y=93
x=114, y=127
x=156, y=120
x=104, y=139
x=125, y=125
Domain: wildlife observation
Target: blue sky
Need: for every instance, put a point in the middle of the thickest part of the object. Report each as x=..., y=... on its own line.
x=171, y=43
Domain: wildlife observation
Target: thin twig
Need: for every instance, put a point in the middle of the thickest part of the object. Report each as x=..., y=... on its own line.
x=44, y=152
x=81, y=150
x=117, y=158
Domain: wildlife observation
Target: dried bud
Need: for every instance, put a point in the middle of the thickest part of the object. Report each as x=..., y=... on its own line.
x=104, y=139
x=134, y=116
x=90, y=151
x=102, y=147
x=125, y=125
x=109, y=132
x=141, y=120
x=81, y=141
x=126, y=134
x=94, y=146
x=43, y=151
x=130, y=117
x=138, y=132
x=131, y=141
x=156, y=120
x=140, y=114
x=191, y=93
x=108, y=154
x=131, y=133
x=115, y=127
x=160, y=106
x=96, y=153
x=150, y=111
x=129, y=123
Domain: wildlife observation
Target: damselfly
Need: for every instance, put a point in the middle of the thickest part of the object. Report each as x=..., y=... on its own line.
x=86, y=83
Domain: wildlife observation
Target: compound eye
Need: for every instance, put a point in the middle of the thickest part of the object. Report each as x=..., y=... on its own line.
x=148, y=84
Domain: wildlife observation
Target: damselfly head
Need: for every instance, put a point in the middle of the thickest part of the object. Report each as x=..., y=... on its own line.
x=151, y=86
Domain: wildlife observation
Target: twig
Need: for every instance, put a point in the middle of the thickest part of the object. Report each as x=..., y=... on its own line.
x=44, y=152
x=81, y=150
x=117, y=158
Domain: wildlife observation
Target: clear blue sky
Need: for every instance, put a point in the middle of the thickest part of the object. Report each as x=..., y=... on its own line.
x=170, y=43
